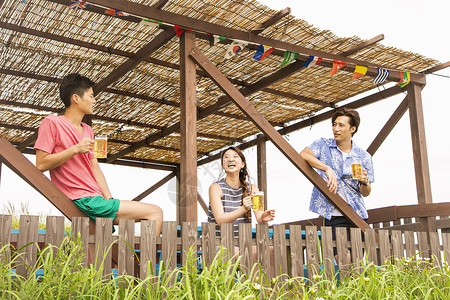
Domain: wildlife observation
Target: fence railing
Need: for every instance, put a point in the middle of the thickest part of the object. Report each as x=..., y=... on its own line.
x=296, y=250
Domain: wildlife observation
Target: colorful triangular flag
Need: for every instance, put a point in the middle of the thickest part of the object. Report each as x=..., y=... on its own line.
x=218, y=39
x=150, y=22
x=262, y=52
x=179, y=30
x=312, y=61
x=78, y=5
x=360, y=71
x=288, y=57
x=337, y=65
x=113, y=12
x=234, y=48
x=405, y=77
x=382, y=75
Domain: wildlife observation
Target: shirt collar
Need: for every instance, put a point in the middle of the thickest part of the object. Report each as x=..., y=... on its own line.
x=352, y=152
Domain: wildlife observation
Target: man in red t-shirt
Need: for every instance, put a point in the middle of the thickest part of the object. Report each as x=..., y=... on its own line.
x=65, y=146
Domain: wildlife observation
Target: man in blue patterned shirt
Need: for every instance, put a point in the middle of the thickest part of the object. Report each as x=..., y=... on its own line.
x=333, y=159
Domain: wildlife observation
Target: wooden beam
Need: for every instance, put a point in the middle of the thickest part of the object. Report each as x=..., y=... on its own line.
x=420, y=155
x=387, y=128
x=150, y=60
x=363, y=45
x=108, y=119
x=257, y=86
x=160, y=40
x=132, y=162
x=154, y=187
x=437, y=68
x=188, y=130
x=28, y=141
x=295, y=158
x=394, y=213
x=202, y=203
x=160, y=4
x=117, y=92
x=222, y=102
x=299, y=98
x=203, y=26
x=20, y=165
x=316, y=119
x=271, y=21
x=261, y=162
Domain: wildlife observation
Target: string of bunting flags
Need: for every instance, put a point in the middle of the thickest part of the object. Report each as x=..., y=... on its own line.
x=263, y=51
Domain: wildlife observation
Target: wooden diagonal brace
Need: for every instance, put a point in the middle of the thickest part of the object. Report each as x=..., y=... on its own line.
x=246, y=107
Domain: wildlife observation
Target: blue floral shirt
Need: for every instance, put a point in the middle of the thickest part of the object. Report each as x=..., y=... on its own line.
x=326, y=151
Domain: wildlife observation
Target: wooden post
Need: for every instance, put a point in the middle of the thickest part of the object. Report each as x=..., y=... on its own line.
x=188, y=131
x=420, y=155
x=262, y=168
x=177, y=196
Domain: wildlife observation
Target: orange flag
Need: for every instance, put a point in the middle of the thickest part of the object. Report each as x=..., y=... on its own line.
x=337, y=65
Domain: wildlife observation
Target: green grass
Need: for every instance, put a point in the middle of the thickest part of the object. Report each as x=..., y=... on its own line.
x=66, y=278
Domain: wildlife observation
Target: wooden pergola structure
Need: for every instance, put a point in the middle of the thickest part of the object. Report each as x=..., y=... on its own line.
x=172, y=103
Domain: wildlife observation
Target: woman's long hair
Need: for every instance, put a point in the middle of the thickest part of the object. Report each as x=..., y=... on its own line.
x=243, y=175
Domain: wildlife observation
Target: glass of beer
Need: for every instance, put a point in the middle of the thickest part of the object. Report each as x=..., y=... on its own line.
x=100, y=146
x=356, y=171
x=258, y=201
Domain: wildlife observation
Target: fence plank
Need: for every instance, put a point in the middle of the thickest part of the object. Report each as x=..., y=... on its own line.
x=435, y=248
x=28, y=234
x=357, y=248
x=371, y=246
x=296, y=247
x=103, y=241
x=263, y=249
x=312, y=251
x=148, y=248
x=189, y=240
x=280, y=253
x=227, y=240
x=385, y=249
x=5, y=237
x=327, y=250
x=80, y=229
x=125, y=264
x=409, y=244
x=54, y=230
x=245, y=246
x=422, y=241
x=169, y=245
x=446, y=246
x=208, y=243
x=343, y=254
x=397, y=244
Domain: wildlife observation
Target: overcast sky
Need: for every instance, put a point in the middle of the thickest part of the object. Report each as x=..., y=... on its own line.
x=416, y=26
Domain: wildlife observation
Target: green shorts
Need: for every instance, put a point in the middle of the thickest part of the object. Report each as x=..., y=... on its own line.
x=98, y=207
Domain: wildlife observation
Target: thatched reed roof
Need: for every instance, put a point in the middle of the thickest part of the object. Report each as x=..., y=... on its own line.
x=41, y=41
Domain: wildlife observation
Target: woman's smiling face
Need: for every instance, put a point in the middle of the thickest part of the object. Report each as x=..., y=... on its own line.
x=231, y=161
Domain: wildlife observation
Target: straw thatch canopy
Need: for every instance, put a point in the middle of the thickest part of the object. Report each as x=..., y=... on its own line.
x=41, y=41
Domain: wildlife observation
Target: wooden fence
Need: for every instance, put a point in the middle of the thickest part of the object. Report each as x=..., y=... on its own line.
x=296, y=250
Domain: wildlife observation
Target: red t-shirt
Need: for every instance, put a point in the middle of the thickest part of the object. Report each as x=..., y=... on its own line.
x=74, y=177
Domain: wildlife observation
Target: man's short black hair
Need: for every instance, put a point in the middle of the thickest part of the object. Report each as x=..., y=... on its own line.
x=73, y=84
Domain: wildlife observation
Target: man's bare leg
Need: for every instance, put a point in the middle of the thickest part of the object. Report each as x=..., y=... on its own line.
x=140, y=211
